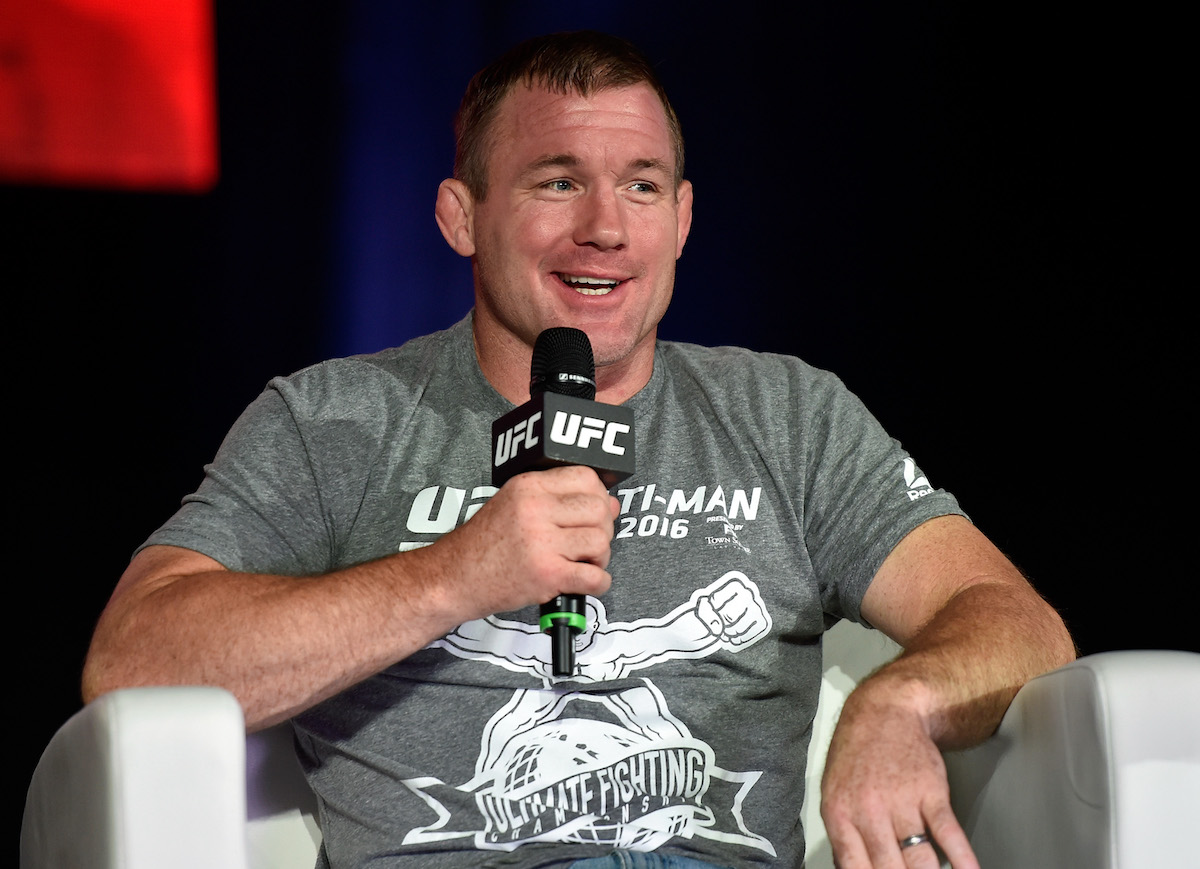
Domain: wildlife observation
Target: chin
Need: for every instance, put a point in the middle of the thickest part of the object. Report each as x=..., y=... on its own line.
x=617, y=352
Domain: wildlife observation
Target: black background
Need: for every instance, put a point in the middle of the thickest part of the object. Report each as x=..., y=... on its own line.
x=968, y=214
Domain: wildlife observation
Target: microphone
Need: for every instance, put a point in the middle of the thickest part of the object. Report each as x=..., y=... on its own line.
x=562, y=424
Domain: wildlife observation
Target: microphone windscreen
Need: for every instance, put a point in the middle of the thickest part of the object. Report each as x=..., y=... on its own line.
x=563, y=363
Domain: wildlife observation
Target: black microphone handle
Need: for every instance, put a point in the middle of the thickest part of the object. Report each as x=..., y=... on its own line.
x=563, y=618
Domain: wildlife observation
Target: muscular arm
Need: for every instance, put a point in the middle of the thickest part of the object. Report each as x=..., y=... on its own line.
x=974, y=631
x=282, y=644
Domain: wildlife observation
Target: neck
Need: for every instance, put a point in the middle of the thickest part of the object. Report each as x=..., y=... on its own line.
x=618, y=382
x=505, y=364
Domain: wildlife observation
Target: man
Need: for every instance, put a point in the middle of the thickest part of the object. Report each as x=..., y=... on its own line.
x=347, y=564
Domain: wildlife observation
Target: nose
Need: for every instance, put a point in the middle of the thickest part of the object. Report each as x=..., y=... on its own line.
x=600, y=221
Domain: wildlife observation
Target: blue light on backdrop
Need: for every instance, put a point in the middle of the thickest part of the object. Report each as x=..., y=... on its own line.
x=406, y=66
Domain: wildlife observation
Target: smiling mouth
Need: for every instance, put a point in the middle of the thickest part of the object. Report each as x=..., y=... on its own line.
x=590, y=286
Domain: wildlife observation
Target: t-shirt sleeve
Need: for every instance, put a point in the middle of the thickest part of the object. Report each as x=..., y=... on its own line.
x=864, y=493
x=290, y=480
x=258, y=507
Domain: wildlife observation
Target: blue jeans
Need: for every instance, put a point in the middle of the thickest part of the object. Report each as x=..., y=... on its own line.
x=640, y=860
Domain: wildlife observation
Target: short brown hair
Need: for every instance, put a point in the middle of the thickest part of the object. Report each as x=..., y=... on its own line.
x=580, y=62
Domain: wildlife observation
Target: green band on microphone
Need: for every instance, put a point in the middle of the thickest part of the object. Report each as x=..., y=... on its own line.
x=578, y=621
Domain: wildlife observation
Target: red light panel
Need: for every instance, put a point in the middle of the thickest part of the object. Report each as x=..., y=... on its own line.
x=108, y=93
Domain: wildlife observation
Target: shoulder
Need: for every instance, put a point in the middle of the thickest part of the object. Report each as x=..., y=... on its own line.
x=741, y=374
x=373, y=382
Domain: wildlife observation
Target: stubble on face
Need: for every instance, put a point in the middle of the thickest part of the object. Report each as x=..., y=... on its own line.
x=581, y=227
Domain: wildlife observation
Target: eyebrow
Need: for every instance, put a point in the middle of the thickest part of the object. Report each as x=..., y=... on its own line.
x=552, y=161
x=570, y=161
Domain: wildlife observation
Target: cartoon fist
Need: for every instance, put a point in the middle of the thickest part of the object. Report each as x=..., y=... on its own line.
x=733, y=611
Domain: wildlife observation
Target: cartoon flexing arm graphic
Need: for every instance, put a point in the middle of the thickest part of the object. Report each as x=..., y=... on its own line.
x=728, y=614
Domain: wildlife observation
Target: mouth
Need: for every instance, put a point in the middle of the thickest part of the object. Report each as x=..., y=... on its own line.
x=589, y=286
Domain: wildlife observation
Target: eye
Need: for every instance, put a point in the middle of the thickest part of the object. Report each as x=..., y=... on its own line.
x=559, y=185
x=644, y=191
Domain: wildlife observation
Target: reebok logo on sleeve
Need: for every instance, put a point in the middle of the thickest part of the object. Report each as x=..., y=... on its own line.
x=918, y=485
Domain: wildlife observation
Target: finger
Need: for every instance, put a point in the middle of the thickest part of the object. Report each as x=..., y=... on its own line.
x=919, y=856
x=748, y=625
x=568, y=478
x=849, y=852
x=588, y=495
x=883, y=847
x=586, y=578
x=951, y=838
x=729, y=603
x=885, y=838
x=728, y=590
x=566, y=509
x=586, y=545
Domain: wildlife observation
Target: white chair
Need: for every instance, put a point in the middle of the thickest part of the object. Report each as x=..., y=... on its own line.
x=149, y=778
x=1096, y=766
x=852, y=652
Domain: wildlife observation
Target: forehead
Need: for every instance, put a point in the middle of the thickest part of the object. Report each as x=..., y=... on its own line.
x=535, y=121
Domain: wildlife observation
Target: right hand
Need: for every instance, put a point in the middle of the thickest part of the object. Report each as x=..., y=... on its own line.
x=542, y=534
x=282, y=644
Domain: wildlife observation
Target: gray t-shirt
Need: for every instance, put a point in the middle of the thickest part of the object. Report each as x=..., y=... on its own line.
x=765, y=499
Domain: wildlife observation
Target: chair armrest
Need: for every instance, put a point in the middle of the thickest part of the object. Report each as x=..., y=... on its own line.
x=141, y=779
x=1095, y=764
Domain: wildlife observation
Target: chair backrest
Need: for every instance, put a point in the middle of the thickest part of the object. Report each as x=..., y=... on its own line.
x=851, y=652
x=282, y=831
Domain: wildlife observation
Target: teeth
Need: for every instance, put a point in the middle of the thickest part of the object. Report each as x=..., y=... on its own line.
x=590, y=286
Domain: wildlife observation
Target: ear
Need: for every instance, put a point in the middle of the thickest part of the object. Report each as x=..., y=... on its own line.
x=683, y=215
x=454, y=212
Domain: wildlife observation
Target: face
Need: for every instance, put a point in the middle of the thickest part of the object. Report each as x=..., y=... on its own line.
x=581, y=226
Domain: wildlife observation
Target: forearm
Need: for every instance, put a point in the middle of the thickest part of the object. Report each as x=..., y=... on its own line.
x=973, y=631
x=961, y=670
x=884, y=777
x=280, y=644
